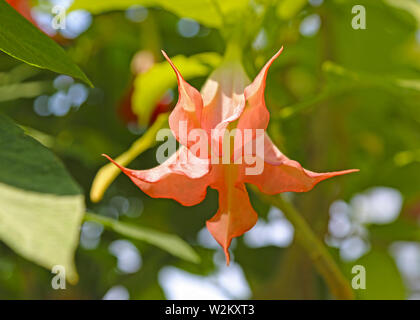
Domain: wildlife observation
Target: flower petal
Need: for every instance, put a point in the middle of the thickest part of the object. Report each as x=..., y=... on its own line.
x=223, y=95
x=224, y=100
x=281, y=174
x=186, y=115
x=182, y=177
x=255, y=114
x=235, y=215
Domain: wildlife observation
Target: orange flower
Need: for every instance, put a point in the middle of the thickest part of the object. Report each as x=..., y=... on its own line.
x=227, y=101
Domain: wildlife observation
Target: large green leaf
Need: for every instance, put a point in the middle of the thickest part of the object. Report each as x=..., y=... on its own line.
x=30, y=89
x=23, y=41
x=26, y=164
x=410, y=6
x=152, y=85
x=168, y=242
x=287, y=9
x=399, y=230
x=41, y=207
x=208, y=12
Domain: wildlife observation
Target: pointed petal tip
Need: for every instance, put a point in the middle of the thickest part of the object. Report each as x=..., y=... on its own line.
x=348, y=171
x=279, y=52
x=258, y=85
x=274, y=57
x=178, y=74
x=327, y=175
x=225, y=246
x=113, y=161
x=164, y=54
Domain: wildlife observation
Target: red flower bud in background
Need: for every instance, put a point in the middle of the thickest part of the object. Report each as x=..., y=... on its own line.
x=141, y=63
x=23, y=7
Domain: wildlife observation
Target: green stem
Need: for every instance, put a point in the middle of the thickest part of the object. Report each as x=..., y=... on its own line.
x=233, y=52
x=318, y=253
x=109, y=172
x=169, y=242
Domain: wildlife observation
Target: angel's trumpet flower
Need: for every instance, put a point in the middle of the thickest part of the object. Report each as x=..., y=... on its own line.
x=227, y=101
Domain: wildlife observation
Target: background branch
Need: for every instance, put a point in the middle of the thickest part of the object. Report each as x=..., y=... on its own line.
x=318, y=253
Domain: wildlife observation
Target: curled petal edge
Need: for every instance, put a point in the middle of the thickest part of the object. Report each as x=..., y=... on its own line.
x=186, y=115
x=171, y=181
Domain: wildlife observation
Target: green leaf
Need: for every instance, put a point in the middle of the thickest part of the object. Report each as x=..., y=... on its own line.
x=410, y=6
x=18, y=74
x=26, y=164
x=101, y=6
x=152, y=85
x=367, y=79
x=168, y=242
x=287, y=9
x=399, y=230
x=30, y=89
x=41, y=207
x=23, y=41
x=208, y=12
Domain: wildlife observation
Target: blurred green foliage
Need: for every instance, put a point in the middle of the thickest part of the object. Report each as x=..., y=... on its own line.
x=338, y=97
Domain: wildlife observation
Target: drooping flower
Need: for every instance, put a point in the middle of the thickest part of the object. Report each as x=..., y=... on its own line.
x=23, y=7
x=227, y=101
